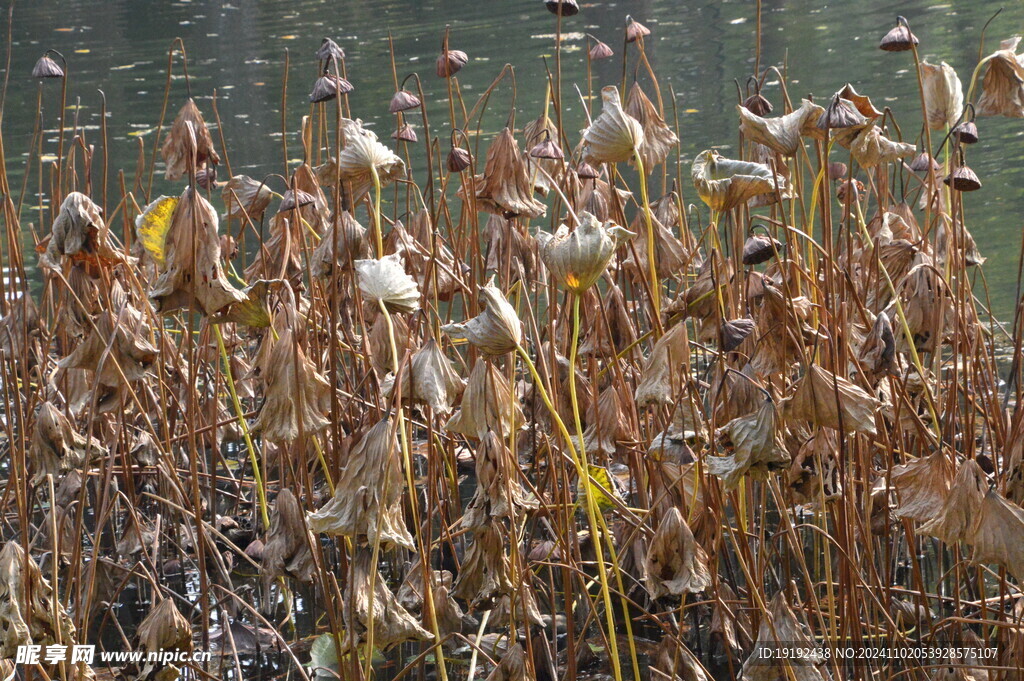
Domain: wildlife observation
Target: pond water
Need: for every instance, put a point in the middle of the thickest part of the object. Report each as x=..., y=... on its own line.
x=697, y=48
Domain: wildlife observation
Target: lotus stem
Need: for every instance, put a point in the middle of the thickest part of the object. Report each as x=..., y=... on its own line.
x=590, y=505
x=410, y=481
x=378, y=228
x=586, y=466
x=261, y=491
x=651, y=254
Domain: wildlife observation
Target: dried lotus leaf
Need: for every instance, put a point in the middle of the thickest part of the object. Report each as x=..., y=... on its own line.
x=675, y=563
x=783, y=134
x=1002, y=87
x=828, y=400
x=614, y=136
x=724, y=184
x=496, y=330
x=658, y=138
x=505, y=187
x=367, y=501
x=385, y=281
x=961, y=507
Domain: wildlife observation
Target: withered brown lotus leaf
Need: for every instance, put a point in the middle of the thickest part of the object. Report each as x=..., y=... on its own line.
x=577, y=259
x=164, y=629
x=342, y=244
x=998, y=534
x=192, y=272
x=961, y=507
x=877, y=355
x=659, y=138
x=116, y=349
x=392, y=624
x=496, y=330
x=675, y=563
x=635, y=30
x=79, y=231
x=927, y=305
x=499, y=492
x=841, y=114
x=1002, y=87
x=922, y=161
x=898, y=39
x=675, y=662
x=431, y=263
x=362, y=155
x=604, y=201
x=943, y=94
x=367, y=501
x=403, y=100
x=433, y=380
x=699, y=299
x=487, y=404
x=252, y=311
x=188, y=134
x=923, y=485
x=782, y=134
x=138, y=536
x=759, y=248
x=281, y=256
x=871, y=148
x=814, y=473
x=828, y=400
x=486, y=572
x=20, y=327
x=734, y=332
x=286, y=552
x=450, y=62
x=600, y=51
x=405, y=133
x=862, y=103
x=297, y=396
x=758, y=104
x=509, y=242
x=756, y=443
x=380, y=341
x=57, y=448
x=666, y=370
x=614, y=330
x=672, y=255
x=458, y=160
x=385, y=281
x=512, y=666
x=782, y=627
x=730, y=626
x=329, y=50
x=610, y=426
x=724, y=184
x=614, y=136
x=245, y=196
x=46, y=67
x=293, y=199
x=328, y=87
x=27, y=600
x=410, y=592
x=505, y=187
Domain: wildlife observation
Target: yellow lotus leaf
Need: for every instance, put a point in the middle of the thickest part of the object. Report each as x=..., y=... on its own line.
x=152, y=225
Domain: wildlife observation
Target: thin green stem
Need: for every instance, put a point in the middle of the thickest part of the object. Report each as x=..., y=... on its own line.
x=261, y=491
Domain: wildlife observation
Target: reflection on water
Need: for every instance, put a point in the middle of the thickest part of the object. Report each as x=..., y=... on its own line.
x=238, y=49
